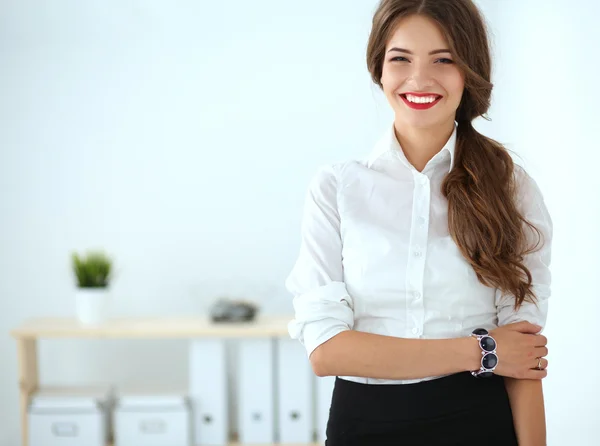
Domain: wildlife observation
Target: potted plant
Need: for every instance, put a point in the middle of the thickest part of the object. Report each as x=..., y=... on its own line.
x=93, y=274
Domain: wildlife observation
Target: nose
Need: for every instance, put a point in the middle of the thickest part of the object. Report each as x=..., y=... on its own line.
x=420, y=77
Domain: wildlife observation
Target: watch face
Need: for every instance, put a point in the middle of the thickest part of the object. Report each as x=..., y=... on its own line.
x=488, y=344
x=480, y=331
x=489, y=361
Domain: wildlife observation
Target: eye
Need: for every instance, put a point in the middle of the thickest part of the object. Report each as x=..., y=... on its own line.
x=398, y=59
x=445, y=61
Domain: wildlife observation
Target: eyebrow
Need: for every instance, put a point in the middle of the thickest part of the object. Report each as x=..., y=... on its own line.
x=402, y=50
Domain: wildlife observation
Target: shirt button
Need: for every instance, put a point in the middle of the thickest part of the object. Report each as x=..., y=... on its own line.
x=417, y=254
x=422, y=220
x=417, y=295
x=415, y=330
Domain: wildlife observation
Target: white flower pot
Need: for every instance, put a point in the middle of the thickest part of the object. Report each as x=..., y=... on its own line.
x=92, y=305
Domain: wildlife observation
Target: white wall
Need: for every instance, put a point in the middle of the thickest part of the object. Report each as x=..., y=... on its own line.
x=180, y=136
x=545, y=108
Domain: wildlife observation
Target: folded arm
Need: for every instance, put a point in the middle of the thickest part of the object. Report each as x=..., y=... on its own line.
x=526, y=396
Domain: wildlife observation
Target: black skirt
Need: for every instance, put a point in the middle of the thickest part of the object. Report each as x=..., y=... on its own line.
x=456, y=410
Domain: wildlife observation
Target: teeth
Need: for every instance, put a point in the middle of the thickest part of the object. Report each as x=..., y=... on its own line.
x=421, y=100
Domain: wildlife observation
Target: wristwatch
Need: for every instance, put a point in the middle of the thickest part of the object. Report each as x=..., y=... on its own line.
x=489, y=358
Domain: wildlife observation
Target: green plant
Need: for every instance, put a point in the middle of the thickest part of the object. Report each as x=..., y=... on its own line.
x=93, y=270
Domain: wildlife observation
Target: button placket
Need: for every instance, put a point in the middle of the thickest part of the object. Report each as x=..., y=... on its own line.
x=416, y=261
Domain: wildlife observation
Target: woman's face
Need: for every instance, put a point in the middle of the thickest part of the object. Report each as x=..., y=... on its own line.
x=417, y=60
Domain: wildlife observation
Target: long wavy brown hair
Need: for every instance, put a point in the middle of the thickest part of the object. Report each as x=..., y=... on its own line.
x=481, y=189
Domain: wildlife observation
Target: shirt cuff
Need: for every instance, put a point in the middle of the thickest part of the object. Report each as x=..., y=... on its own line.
x=535, y=313
x=321, y=314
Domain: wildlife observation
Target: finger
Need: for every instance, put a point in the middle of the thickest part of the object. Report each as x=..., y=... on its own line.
x=536, y=374
x=540, y=352
x=540, y=341
x=543, y=363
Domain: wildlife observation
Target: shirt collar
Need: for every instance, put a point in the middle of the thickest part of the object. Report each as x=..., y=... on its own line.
x=389, y=144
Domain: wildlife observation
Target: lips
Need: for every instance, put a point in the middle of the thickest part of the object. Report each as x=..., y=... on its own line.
x=421, y=105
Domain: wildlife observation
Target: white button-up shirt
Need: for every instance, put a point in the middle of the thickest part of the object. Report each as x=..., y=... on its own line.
x=376, y=255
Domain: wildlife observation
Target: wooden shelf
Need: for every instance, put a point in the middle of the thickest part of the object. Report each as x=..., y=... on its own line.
x=161, y=328
x=235, y=443
x=29, y=332
x=269, y=444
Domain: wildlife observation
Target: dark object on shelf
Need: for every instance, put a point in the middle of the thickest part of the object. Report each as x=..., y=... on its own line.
x=226, y=310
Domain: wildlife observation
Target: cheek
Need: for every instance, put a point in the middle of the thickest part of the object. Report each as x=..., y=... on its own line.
x=459, y=86
x=457, y=91
x=391, y=79
x=454, y=88
x=454, y=83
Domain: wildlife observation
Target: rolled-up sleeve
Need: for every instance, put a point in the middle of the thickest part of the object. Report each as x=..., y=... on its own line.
x=323, y=308
x=532, y=206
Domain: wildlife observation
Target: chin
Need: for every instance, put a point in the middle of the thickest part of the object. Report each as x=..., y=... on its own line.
x=422, y=120
x=419, y=123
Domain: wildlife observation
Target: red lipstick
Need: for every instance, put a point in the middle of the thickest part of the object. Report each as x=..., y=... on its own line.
x=421, y=106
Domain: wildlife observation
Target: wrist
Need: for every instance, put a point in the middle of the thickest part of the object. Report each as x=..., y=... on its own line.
x=470, y=354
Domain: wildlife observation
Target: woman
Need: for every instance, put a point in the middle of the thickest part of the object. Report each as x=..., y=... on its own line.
x=423, y=275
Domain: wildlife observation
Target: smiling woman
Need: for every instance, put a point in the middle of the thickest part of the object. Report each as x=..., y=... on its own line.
x=423, y=275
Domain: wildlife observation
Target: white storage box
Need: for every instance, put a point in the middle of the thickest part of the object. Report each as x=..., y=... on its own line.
x=69, y=417
x=147, y=419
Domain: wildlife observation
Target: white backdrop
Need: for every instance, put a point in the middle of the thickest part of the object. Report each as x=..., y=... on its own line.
x=180, y=136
